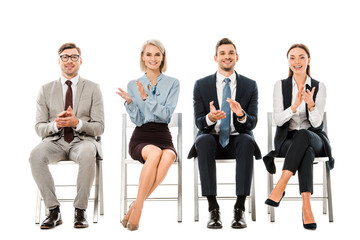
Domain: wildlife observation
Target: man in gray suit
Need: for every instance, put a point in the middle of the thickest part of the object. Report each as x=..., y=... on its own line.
x=69, y=117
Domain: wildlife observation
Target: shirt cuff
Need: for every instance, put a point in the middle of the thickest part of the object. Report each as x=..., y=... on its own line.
x=55, y=128
x=78, y=127
x=208, y=121
x=131, y=106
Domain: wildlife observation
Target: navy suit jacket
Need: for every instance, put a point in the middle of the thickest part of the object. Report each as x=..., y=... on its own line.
x=246, y=95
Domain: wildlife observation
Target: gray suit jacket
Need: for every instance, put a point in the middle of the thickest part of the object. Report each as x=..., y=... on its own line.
x=88, y=106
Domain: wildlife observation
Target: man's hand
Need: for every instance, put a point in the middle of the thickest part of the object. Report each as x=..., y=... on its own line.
x=235, y=107
x=66, y=118
x=214, y=114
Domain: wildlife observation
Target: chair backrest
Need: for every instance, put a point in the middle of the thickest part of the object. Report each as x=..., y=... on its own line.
x=175, y=127
x=271, y=125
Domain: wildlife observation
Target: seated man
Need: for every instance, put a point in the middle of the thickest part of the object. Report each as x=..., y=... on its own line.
x=225, y=133
x=69, y=116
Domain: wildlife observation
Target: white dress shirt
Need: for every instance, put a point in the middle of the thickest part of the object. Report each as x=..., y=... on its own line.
x=298, y=119
x=74, y=84
x=220, y=84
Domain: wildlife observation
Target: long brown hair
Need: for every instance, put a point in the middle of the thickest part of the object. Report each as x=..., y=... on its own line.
x=306, y=49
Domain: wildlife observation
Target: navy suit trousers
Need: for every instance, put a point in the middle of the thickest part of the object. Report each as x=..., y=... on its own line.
x=241, y=147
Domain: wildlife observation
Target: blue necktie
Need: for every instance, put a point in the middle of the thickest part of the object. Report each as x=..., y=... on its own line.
x=225, y=123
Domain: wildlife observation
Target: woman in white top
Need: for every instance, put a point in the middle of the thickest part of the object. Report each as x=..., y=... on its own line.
x=299, y=103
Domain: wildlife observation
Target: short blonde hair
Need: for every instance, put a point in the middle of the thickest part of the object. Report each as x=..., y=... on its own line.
x=160, y=46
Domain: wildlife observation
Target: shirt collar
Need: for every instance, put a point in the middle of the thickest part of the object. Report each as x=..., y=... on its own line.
x=158, y=78
x=74, y=80
x=220, y=78
x=307, y=81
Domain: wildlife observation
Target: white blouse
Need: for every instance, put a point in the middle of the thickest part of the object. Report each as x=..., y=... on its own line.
x=298, y=119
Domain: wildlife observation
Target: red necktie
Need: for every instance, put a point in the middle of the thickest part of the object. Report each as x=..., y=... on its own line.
x=68, y=131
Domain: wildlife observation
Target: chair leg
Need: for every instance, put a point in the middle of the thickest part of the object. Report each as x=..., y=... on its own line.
x=101, y=189
x=325, y=194
x=123, y=189
x=253, y=207
x=96, y=198
x=38, y=208
x=179, y=191
x=271, y=210
x=331, y=217
x=196, y=190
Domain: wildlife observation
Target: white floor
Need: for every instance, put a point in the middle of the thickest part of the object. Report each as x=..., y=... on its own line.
x=159, y=219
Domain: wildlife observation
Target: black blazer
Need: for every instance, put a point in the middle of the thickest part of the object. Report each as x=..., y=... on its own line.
x=246, y=95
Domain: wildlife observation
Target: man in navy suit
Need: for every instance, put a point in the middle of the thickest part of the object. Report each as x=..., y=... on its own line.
x=225, y=109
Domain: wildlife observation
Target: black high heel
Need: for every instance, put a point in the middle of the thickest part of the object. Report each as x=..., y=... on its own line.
x=309, y=226
x=273, y=203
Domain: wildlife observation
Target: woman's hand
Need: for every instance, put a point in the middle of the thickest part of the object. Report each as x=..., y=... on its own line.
x=308, y=97
x=298, y=100
x=124, y=95
x=141, y=90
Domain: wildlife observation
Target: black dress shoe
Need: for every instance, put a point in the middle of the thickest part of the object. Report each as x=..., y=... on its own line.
x=273, y=203
x=214, y=219
x=80, y=219
x=52, y=220
x=239, y=219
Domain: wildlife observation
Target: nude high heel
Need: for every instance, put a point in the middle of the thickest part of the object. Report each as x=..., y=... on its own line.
x=125, y=221
x=132, y=227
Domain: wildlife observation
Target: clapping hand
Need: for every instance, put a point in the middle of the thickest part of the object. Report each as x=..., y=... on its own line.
x=66, y=118
x=141, y=90
x=214, y=114
x=124, y=95
x=235, y=107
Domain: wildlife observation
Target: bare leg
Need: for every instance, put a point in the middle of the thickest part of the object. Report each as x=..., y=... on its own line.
x=308, y=216
x=277, y=192
x=167, y=158
x=152, y=155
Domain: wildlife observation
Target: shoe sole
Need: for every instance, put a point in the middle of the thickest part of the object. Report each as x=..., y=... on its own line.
x=219, y=227
x=81, y=226
x=47, y=227
x=238, y=227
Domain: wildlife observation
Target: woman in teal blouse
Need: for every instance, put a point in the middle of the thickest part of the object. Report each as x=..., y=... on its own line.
x=150, y=102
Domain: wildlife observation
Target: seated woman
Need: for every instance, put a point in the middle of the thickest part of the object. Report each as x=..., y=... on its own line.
x=150, y=102
x=299, y=103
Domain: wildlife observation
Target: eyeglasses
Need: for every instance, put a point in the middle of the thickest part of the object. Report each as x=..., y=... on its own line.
x=73, y=57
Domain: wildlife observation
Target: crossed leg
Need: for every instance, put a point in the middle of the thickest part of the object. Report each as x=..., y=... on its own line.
x=157, y=164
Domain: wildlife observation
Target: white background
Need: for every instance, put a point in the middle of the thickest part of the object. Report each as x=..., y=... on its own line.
x=110, y=34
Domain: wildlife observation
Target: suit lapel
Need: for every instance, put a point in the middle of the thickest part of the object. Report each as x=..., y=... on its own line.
x=212, y=91
x=79, y=90
x=58, y=93
x=239, y=88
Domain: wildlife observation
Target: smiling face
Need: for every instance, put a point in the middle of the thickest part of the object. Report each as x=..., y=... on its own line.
x=226, y=57
x=70, y=69
x=152, y=58
x=298, y=60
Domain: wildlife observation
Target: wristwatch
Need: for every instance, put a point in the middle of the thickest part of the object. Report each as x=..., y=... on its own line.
x=240, y=118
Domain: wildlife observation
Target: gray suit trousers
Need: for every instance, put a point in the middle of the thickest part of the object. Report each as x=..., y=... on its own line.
x=50, y=152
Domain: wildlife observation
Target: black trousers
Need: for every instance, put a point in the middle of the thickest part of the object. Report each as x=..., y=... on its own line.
x=241, y=147
x=299, y=149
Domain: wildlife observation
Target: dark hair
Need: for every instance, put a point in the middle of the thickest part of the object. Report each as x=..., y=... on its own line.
x=223, y=42
x=306, y=49
x=68, y=46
